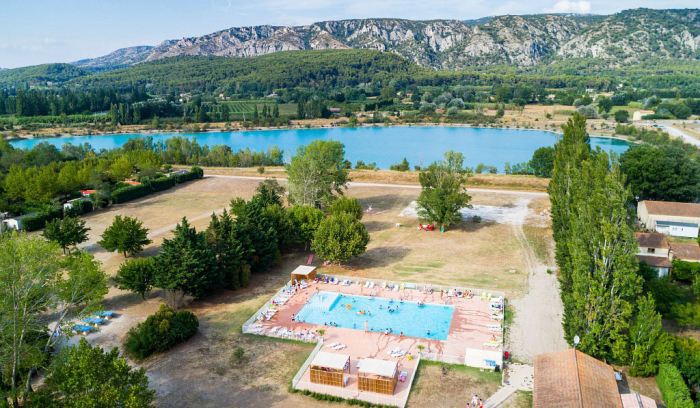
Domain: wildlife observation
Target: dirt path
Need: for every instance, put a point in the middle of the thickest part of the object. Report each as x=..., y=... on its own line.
x=537, y=325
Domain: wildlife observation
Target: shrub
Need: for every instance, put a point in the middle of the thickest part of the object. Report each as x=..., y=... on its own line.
x=124, y=194
x=162, y=183
x=346, y=205
x=160, y=332
x=80, y=207
x=673, y=389
x=687, y=359
x=38, y=221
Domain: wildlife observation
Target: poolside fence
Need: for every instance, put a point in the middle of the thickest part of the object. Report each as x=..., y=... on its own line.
x=264, y=307
x=417, y=286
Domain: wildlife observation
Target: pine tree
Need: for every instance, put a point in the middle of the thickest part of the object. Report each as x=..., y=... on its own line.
x=186, y=263
x=229, y=250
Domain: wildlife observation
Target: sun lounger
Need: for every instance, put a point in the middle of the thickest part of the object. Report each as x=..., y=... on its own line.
x=402, y=287
x=371, y=285
x=366, y=284
x=394, y=351
x=332, y=345
x=274, y=330
x=93, y=320
x=396, y=288
x=383, y=285
x=81, y=329
x=496, y=316
x=492, y=345
x=410, y=286
x=338, y=347
x=105, y=314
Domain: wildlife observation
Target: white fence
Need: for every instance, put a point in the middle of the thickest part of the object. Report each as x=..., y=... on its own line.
x=264, y=307
x=417, y=286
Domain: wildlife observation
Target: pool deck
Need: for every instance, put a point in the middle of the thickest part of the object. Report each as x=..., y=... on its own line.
x=468, y=329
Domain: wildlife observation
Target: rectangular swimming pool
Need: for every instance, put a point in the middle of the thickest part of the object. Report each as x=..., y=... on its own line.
x=428, y=321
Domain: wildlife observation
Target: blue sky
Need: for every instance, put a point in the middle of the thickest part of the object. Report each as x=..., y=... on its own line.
x=41, y=31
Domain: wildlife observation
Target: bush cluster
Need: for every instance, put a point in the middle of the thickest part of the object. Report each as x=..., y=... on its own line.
x=673, y=389
x=160, y=332
x=128, y=193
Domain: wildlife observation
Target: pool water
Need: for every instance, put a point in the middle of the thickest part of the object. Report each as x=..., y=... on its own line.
x=408, y=317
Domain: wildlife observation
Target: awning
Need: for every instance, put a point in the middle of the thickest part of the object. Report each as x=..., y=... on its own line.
x=383, y=368
x=304, y=272
x=330, y=360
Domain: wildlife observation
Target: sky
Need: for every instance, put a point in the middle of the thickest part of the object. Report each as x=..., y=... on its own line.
x=41, y=31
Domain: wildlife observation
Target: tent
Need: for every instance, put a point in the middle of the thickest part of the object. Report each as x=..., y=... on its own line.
x=303, y=272
x=378, y=376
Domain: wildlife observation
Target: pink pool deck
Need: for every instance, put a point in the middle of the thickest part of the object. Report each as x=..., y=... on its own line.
x=469, y=327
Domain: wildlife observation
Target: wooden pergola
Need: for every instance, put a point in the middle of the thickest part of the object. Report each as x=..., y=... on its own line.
x=378, y=376
x=329, y=368
x=303, y=272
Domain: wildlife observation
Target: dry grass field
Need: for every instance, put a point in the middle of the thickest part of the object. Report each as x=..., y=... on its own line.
x=202, y=371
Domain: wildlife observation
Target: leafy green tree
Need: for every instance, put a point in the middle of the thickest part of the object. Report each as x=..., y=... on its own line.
x=316, y=172
x=346, y=205
x=87, y=376
x=650, y=344
x=340, y=237
x=622, y=116
x=257, y=231
x=664, y=173
x=136, y=276
x=687, y=358
x=66, y=233
x=443, y=194
x=34, y=278
x=569, y=153
x=542, y=162
x=186, y=263
x=126, y=235
x=305, y=220
x=121, y=169
x=603, y=256
x=403, y=166
x=604, y=104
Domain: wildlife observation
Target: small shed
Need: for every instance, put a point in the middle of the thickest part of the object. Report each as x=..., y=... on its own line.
x=378, y=376
x=303, y=272
x=329, y=368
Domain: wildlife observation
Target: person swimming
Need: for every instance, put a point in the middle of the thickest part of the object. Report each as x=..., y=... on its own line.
x=428, y=332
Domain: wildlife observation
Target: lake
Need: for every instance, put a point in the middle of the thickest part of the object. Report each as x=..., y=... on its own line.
x=421, y=145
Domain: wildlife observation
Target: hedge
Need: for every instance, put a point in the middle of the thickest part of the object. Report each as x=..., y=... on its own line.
x=80, y=207
x=163, y=183
x=332, y=398
x=125, y=194
x=673, y=389
x=38, y=221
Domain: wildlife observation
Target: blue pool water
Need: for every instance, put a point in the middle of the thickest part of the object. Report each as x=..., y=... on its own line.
x=409, y=318
x=421, y=145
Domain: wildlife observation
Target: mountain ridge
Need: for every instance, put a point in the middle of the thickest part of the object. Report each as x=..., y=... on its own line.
x=623, y=37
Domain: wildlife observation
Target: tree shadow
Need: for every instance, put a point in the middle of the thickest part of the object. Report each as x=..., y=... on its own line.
x=379, y=257
x=376, y=226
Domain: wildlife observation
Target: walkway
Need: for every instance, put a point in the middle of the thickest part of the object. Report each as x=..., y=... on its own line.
x=520, y=377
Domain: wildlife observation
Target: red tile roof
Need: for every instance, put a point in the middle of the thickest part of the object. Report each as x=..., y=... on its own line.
x=656, y=261
x=672, y=208
x=652, y=240
x=687, y=252
x=572, y=379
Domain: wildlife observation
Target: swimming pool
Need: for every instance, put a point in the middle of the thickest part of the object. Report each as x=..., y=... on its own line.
x=406, y=317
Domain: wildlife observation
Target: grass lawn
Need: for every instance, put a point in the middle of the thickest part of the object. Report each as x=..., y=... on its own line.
x=431, y=388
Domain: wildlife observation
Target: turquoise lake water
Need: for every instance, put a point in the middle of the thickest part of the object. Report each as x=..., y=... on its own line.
x=421, y=145
x=325, y=308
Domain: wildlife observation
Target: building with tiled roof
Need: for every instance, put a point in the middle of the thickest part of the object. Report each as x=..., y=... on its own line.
x=572, y=379
x=654, y=251
x=685, y=252
x=677, y=219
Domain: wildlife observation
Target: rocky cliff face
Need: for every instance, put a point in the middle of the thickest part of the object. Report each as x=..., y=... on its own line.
x=452, y=44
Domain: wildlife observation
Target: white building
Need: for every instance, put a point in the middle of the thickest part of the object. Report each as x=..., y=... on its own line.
x=16, y=222
x=676, y=219
x=654, y=251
